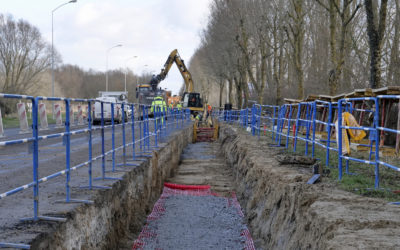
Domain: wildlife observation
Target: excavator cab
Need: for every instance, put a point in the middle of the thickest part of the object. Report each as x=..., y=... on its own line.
x=192, y=101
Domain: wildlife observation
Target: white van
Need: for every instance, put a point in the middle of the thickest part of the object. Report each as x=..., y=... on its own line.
x=107, y=110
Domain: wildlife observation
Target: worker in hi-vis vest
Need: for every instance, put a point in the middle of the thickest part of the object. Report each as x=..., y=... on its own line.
x=158, y=101
x=179, y=106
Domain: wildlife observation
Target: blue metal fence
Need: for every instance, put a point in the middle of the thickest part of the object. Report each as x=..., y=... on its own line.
x=151, y=131
x=306, y=119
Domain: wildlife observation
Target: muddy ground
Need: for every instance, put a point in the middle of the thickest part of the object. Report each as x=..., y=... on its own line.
x=283, y=212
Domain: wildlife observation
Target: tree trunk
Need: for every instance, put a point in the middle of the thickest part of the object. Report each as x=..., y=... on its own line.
x=375, y=29
x=239, y=92
x=230, y=90
x=332, y=41
x=394, y=55
x=221, y=90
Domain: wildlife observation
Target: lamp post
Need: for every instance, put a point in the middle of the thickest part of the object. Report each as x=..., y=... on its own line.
x=126, y=68
x=52, y=47
x=108, y=51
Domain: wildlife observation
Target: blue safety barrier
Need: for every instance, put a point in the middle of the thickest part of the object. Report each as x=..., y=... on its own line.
x=384, y=129
x=164, y=121
x=342, y=106
x=310, y=120
x=268, y=119
x=328, y=125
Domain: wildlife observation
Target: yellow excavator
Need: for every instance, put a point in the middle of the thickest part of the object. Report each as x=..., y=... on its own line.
x=190, y=99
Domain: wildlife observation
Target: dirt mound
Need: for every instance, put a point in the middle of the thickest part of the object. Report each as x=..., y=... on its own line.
x=283, y=212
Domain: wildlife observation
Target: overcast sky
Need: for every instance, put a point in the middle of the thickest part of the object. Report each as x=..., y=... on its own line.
x=149, y=29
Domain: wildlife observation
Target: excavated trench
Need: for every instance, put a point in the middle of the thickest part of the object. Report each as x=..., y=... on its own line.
x=283, y=212
x=280, y=209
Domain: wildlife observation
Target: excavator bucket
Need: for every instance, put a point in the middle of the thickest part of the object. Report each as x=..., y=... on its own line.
x=202, y=132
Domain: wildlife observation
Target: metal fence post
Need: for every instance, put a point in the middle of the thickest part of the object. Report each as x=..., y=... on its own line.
x=377, y=136
x=147, y=128
x=314, y=123
x=273, y=124
x=90, y=145
x=35, y=158
x=103, y=157
x=133, y=131
x=123, y=133
x=339, y=131
x=90, y=160
x=113, y=136
x=329, y=127
x=141, y=126
x=68, y=149
x=289, y=125
x=282, y=117
x=308, y=121
x=297, y=126
x=67, y=138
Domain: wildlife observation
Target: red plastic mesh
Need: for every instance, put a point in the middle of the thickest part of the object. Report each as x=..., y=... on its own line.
x=249, y=244
x=192, y=190
x=186, y=187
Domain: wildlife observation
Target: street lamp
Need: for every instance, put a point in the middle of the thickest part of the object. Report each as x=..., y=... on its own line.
x=126, y=68
x=118, y=45
x=52, y=47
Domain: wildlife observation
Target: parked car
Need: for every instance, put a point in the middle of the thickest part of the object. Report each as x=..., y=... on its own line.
x=107, y=110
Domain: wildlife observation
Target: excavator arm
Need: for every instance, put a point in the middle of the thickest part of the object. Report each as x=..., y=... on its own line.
x=174, y=58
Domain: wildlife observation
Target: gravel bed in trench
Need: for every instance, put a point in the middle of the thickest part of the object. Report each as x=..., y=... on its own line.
x=197, y=222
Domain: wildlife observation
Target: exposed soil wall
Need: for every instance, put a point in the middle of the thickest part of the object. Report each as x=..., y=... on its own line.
x=121, y=210
x=283, y=212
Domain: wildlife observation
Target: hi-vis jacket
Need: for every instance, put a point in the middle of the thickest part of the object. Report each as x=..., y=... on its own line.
x=158, y=101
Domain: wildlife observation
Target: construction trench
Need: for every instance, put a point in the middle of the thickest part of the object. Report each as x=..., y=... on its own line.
x=281, y=211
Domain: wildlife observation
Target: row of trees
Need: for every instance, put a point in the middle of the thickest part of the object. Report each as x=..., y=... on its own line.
x=259, y=49
x=74, y=81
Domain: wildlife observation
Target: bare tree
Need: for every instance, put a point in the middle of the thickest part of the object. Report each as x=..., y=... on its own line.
x=295, y=34
x=341, y=9
x=394, y=67
x=24, y=55
x=376, y=25
x=292, y=48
